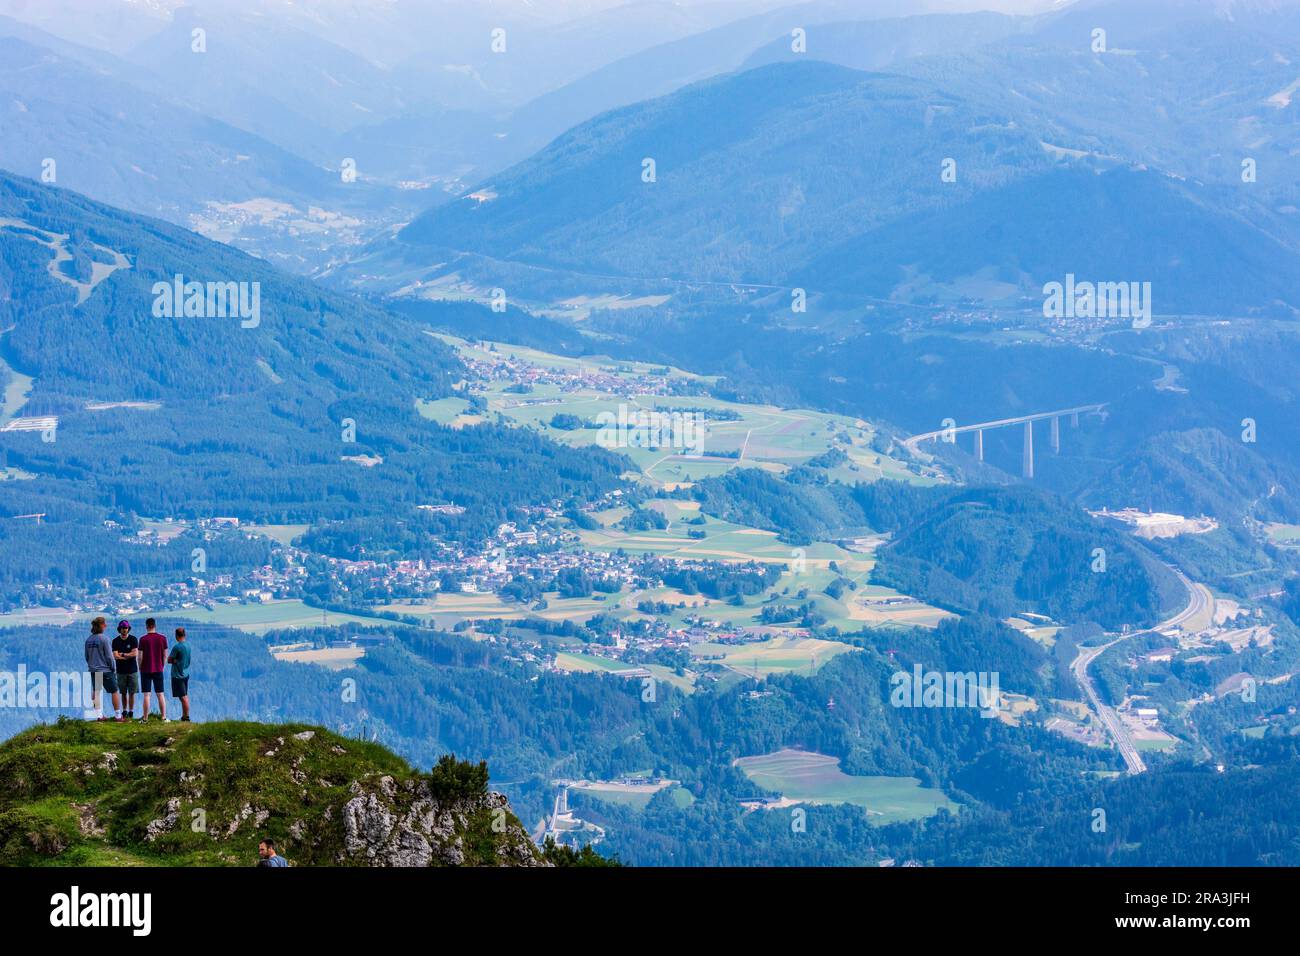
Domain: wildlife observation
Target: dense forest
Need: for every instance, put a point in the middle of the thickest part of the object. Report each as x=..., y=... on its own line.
x=996, y=551
x=307, y=416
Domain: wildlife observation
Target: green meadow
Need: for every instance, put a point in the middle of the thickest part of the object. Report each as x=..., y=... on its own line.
x=804, y=777
x=764, y=436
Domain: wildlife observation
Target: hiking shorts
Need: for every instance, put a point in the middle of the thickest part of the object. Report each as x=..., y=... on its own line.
x=150, y=682
x=180, y=687
x=128, y=682
x=104, y=679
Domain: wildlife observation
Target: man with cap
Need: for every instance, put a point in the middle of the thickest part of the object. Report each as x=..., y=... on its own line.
x=126, y=652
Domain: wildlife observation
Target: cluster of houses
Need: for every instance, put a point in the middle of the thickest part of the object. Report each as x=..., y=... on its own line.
x=503, y=367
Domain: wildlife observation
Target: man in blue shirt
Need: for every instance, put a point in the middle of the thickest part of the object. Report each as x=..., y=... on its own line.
x=266, y=850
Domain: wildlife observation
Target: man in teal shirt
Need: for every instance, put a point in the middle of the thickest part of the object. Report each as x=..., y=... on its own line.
x=180, y=661
x=267, y=855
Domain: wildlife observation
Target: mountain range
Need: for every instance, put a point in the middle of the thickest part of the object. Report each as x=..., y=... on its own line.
x=810, y=175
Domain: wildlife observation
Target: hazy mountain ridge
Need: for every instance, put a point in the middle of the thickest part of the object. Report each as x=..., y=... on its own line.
x=769, y=170
x=809, y=175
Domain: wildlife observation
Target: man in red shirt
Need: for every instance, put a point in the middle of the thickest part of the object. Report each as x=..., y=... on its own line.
x=153, y=658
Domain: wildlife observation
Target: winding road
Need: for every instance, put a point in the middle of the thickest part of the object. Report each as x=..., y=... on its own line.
x=1198, y=601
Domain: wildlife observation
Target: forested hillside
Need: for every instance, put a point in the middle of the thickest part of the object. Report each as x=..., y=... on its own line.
x=986, y=550
x=1001, y=552
x=302, y=412
x=811, y=175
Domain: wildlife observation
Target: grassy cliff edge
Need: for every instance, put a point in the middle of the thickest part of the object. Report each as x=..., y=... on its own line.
x=107, y=794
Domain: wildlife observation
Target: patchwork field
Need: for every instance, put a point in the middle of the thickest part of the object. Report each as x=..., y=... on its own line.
x=1286, y=535
x=16, y=392
x=253, y=618
x=38, y=616
x=805, y=777
x=635, y=795
x=591, y=664
x=448, y=411
x=778, y=655
x=1044, y=634
x=448, y=609
x=332, y=658
x=282, y=533
x=864, y=605
x=764, y=436
x=260, y=618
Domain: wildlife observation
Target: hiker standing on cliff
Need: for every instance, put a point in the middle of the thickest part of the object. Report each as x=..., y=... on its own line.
x=179, y=659
x=153, y=658
x=103, y=672
x=126, y=653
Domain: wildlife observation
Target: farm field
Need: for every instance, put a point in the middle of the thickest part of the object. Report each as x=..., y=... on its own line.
x=1044, y=634
x=54, y=616
x=16, y=392
x=808, y=570
x=1287, y=535
x=593, y=664
x=450, y=411
x=735, y=434
x=805, y=777
x=281, y=533
x=253, y=618
x=332, y=658
x=260, y=618
x=590, y=664
x=448, y=609
x=778, y=655
x=791, y=589
x=875, y=606
x=635, y=795
x=165, y=530
x=624, y=368
x=720, y=541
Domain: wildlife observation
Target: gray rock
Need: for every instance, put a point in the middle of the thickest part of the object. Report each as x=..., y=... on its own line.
x=165, y=824
x=381, y=827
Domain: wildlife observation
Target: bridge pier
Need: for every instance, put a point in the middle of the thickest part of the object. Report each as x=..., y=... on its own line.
x=979, y=444
x=1056, y=435
x=1074, y=420
x=1027, y=460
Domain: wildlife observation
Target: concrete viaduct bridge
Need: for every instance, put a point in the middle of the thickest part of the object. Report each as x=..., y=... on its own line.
x=1027, y=462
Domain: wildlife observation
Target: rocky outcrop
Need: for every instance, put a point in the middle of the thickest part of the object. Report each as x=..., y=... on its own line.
x=165, y=823
x=207, y=794
x=404, y=824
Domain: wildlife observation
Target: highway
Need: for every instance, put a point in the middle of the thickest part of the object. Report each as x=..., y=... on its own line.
x=1109, y=720
x=1197, y=602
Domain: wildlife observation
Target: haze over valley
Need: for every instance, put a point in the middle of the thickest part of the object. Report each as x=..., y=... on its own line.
x=819, y=434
